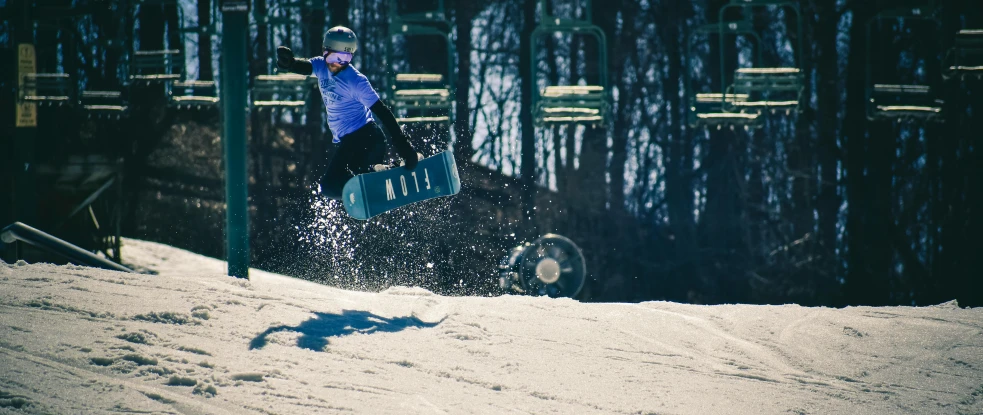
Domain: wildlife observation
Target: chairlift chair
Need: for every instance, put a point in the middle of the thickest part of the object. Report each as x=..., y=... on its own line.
x=965, y=59
x=571, y=104
x=156, y=66
x=53, y=89
x=194, y=94
x=284, y=19
x=901, y=102
x=419, y=11
x=706, y=110
x=769, y=89
x=421, y=98
x=150, y=66
x=716, y=109
x=422, y=92
x=287, y=92
x=775, y=89
x=584, y=104
x=103, y=104
x=47, y=89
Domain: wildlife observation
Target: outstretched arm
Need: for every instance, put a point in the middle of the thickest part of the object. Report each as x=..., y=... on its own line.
x=399, y=140
x=285, y=60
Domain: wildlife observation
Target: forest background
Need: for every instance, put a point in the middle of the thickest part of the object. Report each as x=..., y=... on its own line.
x=819, y=206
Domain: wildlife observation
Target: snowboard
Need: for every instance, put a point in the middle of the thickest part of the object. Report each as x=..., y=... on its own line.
x=370, y=194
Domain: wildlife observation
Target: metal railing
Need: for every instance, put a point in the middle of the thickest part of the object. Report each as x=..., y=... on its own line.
x=20, y=232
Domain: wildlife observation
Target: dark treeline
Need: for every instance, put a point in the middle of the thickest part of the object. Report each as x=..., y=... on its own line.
x=820, y=205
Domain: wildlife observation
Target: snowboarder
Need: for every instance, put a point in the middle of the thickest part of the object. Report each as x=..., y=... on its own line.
x=351, y=103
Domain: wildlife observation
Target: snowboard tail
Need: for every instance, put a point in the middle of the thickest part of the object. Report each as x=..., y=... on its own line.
x=371, y=194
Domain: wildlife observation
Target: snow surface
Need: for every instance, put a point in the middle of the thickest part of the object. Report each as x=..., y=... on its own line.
x=192, y=340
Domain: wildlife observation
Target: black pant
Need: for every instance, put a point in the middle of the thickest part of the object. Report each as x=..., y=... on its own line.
x=358, y=151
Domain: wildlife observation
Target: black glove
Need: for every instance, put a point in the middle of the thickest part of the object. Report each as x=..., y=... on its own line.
x=284, y=58
x=407, y=153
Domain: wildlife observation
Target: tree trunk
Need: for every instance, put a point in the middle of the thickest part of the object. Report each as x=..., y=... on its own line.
x=719, y=226
x=566, y=177
x=46, y=46
x=972, y=171
x=828, y=102
x=591, y=184
x=259, y=132
x=880, y=221
x=338, y=13
x=464, y=12
x=151, y=32
x=70, y=61
x=175, y=38
x=553, y=78
x=801, y=163
x=314, y=129
x=720, y=220
x=205, y=40
x=859, y=286
x=957, y=185
x=527, y=170
x=620, y=46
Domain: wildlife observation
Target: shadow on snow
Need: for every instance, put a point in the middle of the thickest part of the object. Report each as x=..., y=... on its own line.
x=316, y=331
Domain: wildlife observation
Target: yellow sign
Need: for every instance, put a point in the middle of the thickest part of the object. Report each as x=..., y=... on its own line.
x=27, y=112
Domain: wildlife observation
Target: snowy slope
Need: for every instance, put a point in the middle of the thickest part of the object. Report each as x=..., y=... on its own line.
x=191, y=340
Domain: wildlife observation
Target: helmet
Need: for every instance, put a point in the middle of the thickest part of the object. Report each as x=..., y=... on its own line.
x=340, y=39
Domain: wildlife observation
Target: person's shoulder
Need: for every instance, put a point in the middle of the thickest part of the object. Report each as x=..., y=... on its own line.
x=352, y=74
x=318, y=64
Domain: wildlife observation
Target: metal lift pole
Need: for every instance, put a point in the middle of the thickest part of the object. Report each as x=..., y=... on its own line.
x=234, y=67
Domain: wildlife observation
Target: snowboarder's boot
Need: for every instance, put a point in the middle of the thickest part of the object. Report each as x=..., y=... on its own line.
x=384, y=167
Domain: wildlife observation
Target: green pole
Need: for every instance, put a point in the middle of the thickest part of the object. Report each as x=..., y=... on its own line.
x=234, y=67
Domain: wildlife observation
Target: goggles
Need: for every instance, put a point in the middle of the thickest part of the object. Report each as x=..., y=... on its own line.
x=341, y=58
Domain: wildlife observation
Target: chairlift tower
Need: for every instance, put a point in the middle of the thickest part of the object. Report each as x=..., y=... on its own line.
x=234, y=58
x=571, y=104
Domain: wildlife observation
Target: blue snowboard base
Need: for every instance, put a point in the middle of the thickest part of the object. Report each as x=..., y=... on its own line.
x=371, y=194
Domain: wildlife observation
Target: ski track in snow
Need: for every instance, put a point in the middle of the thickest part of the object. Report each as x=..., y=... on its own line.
x=191, y=340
